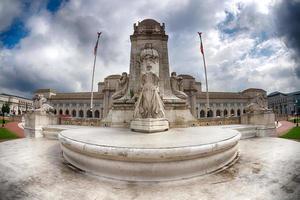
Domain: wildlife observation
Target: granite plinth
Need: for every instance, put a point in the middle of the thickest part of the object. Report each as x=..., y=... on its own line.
x=149, y=125
x=173, y=155
x=34, y=121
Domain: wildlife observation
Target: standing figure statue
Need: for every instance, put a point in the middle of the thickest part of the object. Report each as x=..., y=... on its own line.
x=149, y=103
x=122, y=87
x=177, y=86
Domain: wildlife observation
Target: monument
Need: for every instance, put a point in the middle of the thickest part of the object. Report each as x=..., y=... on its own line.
x=149, y=49
x=148, y=100
x=257, y=113
x=40, y=116
x=149, y=113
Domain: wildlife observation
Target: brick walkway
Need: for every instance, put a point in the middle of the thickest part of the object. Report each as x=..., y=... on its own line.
x=285, y=126
x=13, y=127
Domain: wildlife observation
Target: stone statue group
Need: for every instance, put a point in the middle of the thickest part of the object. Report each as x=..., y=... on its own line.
x=149, y=103
x=39, y=104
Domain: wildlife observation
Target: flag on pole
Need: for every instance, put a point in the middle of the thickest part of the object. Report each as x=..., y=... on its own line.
x=96, y=46
x=201, y=45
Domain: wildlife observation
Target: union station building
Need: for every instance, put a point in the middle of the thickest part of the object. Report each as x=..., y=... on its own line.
x=77, y=104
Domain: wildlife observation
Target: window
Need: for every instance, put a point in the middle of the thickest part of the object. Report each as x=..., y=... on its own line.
x=97, y=114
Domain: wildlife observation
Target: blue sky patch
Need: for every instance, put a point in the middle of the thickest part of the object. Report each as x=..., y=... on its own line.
x=53, y=5
x=14, y=34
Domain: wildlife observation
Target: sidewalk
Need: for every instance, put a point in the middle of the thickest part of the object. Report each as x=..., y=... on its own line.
x=13, y=127
x=285, y=126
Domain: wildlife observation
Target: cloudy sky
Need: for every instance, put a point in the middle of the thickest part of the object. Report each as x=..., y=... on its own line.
x=248, y=43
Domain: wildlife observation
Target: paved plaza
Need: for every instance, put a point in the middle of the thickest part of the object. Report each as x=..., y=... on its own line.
x=268, y=168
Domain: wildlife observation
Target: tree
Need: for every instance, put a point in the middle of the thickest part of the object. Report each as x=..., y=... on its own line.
x=5, y=108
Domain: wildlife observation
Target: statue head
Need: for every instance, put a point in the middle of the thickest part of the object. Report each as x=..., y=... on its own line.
x=124, y=74
x=149, y=67
x=173, y=74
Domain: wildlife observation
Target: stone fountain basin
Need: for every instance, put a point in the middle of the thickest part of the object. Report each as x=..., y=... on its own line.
x=172, y=155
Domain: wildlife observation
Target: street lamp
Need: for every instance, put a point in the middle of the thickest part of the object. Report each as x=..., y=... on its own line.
x=296, y=111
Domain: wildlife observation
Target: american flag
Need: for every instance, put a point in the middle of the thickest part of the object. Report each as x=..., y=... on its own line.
x=96, y=46
x=201, y=45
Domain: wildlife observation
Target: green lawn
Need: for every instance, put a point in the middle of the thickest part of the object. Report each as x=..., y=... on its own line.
x=6, y=134
x=292, y=120
x=1, y=121
x=294, y=133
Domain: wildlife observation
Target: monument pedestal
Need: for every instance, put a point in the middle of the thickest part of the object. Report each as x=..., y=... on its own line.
x=265, y=121
x=149, y=125
x=36, y=120
x=177, y=114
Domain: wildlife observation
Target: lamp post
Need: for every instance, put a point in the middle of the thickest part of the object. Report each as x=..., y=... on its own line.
x=296, y=110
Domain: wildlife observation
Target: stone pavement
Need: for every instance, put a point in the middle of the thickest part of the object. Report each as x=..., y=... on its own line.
x=285, y=127
x=13, y=127
x=268, y=169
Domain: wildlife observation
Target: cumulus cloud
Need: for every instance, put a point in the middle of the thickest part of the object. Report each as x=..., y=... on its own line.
x=58, y=50
x=288, y=23
x=9, y=10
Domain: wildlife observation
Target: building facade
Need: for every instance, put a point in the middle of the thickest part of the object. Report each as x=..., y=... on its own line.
x=77, y=104
x=284, y=103
x=18, y=105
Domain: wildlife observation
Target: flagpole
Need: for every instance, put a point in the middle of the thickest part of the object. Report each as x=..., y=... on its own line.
x=205, y=72
x=93, y=74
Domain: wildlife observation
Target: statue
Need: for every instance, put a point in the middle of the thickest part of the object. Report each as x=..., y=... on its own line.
x=149, y=103
x=122, y=87
x=177, y=86
x=258, y=104
x=149, y=57
x=39, y=103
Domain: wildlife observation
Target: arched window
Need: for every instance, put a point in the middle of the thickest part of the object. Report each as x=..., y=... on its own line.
x=202, y=113
x=67, y=112
x=238, y=112
x=81, y=113
x=218, y=113
x=60, y=112
x=232, y=112
x=210, y=113
x=225, y=113
x=244, y=111
x=73, y=113
x=89, y=114
x=97, y=114
x=55, y=111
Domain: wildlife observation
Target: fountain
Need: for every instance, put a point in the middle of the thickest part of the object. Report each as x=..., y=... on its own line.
x=150, y=135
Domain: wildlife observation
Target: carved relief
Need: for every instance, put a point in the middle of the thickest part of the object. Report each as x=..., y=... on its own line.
x=177, y=86
x=122, y=86
x=149, y=57
x=39, y=103
x=258, y=104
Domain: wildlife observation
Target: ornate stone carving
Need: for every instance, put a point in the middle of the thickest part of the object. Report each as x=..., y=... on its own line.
x=149, y=57
x=177, y=86
x=39, y=103
x=149, y=103
x=122, y=87
x=258, y=104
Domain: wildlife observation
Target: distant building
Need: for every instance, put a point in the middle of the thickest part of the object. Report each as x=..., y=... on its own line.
x=284, y=103
x=77, y=104
x=18, y=105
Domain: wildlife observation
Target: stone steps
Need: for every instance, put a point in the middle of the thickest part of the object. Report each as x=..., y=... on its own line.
x=247, y=131
x=52, y=131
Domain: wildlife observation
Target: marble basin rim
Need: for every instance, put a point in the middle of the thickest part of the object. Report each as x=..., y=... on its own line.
x=121, y=154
